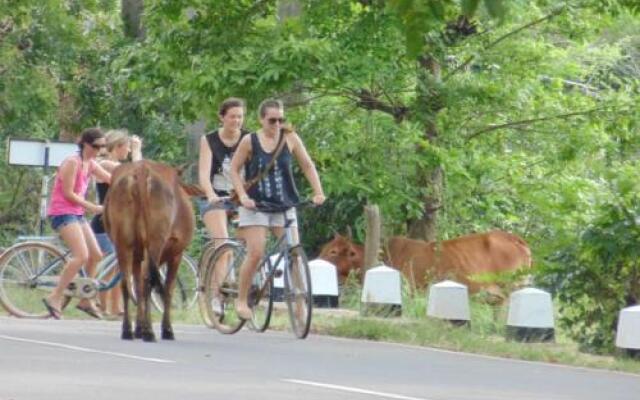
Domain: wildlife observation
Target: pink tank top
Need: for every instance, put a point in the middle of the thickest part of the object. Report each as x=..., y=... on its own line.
x=59, y=205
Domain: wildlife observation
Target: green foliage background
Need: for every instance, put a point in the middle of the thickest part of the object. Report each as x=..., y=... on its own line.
x=535, y=104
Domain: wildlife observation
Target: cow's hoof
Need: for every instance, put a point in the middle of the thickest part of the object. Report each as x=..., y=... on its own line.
x=126, y=335
x=168, y=335
x=148, y=337
x=138, y=333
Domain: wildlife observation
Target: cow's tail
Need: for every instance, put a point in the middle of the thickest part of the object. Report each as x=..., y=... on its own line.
x=143, y=219
x=143, y=222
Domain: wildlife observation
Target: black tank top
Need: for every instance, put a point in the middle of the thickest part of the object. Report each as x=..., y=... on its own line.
x=96, y=222
x=278, y=187
x=221, y=156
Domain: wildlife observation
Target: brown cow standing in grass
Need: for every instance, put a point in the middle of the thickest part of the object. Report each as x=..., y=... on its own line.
x=420, y=261
x=148, y=216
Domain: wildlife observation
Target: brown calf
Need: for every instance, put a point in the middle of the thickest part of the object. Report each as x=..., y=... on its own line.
x=421, y=261
x=148, y=216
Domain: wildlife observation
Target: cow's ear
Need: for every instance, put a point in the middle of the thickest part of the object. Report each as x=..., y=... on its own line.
x=192, y=190
x=181, y=168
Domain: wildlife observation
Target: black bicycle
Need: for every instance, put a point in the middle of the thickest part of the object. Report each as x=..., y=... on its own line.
x=219, y=272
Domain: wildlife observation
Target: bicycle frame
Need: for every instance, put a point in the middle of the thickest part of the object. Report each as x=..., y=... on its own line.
x=110, y=261
x=283, y=254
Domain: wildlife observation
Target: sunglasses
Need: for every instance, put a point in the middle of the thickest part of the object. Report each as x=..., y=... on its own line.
x=273, y=121
x=98, y=146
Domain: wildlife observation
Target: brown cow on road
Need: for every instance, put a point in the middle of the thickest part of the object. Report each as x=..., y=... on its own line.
x=420, y=261
x=148, y=216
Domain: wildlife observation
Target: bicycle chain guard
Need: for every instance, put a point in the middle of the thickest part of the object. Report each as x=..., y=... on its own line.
x=83, y=288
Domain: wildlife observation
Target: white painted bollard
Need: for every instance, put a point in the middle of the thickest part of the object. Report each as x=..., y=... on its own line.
x=530, y=316
x=382, y=292
x=628, y=333
x=278, y=279
x=449, y=300
x=324, y=283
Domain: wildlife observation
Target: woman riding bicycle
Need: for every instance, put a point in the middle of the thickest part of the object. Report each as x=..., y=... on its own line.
x=277, y=188
x=66, y=211
x=216, y=150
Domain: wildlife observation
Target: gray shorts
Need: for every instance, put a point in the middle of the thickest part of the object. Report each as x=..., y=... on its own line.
x=248, y=217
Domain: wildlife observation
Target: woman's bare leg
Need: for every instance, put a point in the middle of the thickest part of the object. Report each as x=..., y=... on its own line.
x=255, y=238
x=72, y=235
x=95, y=255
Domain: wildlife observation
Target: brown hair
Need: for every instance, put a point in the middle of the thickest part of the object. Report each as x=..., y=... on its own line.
x=229, y=103
x=267, y=104
x=89, y=136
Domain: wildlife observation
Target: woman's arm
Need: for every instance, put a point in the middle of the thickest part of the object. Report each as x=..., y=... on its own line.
x=68, y=172
x=136, y=148
x=240, y=157
x=204, y=169
x=101, y=173
x=307, y=166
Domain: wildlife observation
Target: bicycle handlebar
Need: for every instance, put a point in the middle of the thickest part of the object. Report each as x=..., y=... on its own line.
x=265, y=206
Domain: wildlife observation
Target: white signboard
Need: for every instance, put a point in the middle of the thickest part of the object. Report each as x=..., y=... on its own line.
x=32, y=152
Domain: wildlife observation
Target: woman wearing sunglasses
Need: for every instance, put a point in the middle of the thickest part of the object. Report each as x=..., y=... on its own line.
x=277, y=188
x=66, y=212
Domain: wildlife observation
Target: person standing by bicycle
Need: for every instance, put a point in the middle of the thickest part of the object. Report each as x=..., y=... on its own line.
x=276, y=187
x=66, y=212
x=119, y=146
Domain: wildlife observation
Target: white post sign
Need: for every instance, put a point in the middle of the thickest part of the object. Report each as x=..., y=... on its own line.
x=34, y=153
x=40, y=153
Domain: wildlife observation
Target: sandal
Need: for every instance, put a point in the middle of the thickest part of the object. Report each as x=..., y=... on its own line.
x=94, y=312
x=53, y=312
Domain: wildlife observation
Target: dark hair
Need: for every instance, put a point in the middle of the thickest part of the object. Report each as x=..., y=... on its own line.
x=229, y=103
x=267, y=104
x=89, y=136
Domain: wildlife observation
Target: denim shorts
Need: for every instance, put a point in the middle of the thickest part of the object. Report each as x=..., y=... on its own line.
x=105, y=243
x=60, y=221
x=205, y=206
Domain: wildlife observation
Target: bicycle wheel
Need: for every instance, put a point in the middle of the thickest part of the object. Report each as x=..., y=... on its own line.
x=220, y=287
x=185, y=292
x=261, y=298
x=205, y=260
x=297, y=291
x=29, y=271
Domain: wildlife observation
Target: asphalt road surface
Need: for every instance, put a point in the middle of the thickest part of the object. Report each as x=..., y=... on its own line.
x=80, y=359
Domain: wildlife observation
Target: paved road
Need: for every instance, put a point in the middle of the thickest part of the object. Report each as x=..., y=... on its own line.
x=86, y=360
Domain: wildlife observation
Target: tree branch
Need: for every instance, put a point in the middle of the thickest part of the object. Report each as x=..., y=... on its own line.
x=367, y=100
x=492, y=128
x=472, y=57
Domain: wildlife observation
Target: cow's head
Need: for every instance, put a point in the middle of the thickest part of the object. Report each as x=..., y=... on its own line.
x=346, y=255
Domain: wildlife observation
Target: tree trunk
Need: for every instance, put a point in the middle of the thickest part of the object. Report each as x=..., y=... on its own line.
x=288, y=8
x=372, y=237
x=429, y=103
x=194, y=131
x=68, y=116
x=132, y=18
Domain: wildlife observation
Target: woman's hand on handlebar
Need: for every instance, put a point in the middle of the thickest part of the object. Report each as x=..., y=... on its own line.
x=247, y=202
x=318, y=199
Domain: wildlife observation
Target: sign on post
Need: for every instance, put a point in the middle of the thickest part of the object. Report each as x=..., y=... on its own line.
x=40, y=153
x=34, y=152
